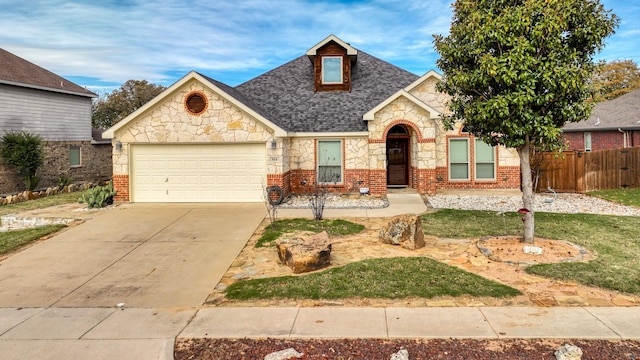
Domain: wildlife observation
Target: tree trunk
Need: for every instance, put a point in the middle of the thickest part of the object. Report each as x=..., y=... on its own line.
x=527, y=192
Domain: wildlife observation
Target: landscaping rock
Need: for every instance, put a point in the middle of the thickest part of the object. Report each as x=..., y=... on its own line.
x=403, y=354
x=404, y=230
x=568, y=352
x=286, y=354
x=535, y=250
x=305, y=254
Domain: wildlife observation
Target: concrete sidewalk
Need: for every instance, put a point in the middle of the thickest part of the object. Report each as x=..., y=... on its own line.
x=390, y=323
x=136, y=333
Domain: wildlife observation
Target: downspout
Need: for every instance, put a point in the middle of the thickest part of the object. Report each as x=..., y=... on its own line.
x=624, y=137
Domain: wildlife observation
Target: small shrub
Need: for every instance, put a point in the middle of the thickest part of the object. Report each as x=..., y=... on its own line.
x=317, y=200
x=63, y=180
x=99, y=196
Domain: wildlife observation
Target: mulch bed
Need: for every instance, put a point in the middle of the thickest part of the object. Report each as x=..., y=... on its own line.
x=374, y=349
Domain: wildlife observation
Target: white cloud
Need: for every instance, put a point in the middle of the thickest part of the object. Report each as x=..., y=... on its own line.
x=116, y=40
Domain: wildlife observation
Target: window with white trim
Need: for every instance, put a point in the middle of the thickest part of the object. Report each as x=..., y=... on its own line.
x=75, y=158
x=459, y=159
x=329, y=161
x=587, y=141
x=485, y=161
x=332, y=70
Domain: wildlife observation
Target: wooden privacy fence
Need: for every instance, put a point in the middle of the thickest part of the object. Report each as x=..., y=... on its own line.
x=581, y=171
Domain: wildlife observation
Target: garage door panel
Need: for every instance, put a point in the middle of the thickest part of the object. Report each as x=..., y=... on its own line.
x=198, y=173
x=157, y=179
x=208, y=165
x=191, y=180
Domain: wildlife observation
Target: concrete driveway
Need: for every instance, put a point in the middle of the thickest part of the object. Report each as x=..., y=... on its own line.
x=143, y=255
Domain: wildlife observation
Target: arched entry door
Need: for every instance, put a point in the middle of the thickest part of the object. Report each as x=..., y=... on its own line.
x=398, y=156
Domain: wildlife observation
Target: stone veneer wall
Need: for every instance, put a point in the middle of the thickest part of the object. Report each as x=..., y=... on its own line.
x=96, y=166
x=356, y=174
x=10, y=180
x=170, y=123
x=429, y=145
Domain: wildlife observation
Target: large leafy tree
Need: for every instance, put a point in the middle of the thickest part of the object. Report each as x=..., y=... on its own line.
x=108, y=110
x=518, y=70
x=615, y=78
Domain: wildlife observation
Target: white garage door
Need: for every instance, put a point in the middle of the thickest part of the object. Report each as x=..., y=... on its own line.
x=197, y=173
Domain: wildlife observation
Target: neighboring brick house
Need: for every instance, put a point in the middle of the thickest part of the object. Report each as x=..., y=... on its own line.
x=614, y=124
x=38, y=101
x=335, y=116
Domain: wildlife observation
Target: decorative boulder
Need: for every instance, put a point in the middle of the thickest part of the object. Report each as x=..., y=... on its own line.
x=404, y=230
x=305, y=254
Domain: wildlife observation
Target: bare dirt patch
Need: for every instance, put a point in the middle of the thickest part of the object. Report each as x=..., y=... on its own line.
x=511, y=249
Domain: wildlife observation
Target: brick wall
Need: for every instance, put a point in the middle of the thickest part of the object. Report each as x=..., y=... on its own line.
x=303, y=181
x=574, y=140
x=507, y=177
x=95, y=166
x=424, y=180
x=602, y=140
x=378, y=182
x=121, y=185
x=10, y=180
x=635, y=138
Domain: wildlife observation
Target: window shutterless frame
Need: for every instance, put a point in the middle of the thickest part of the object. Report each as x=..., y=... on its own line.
x=329, y=167
x=332, y=70
x=459, y=159
x=485, y=161
x=587, y=141
x=75, y=156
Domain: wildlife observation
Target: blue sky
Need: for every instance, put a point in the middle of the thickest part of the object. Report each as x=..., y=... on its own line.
x=102, y=44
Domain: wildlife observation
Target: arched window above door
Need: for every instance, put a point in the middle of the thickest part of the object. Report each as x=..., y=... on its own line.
x=398, y=130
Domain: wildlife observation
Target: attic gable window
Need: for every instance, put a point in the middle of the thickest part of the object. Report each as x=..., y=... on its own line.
x=195, y=103
x=333, y=62
x=332, y=70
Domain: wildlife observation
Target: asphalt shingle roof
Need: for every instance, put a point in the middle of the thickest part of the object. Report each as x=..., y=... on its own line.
x=239, y=96
x=17, y=71
x=286, y=95
x=622, y=112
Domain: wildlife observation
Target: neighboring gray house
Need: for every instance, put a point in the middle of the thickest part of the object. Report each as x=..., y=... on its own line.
x=614, y=124
x=38, y=101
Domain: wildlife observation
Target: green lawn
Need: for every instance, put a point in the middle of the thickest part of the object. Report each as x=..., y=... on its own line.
x=630, y=197
x=614, y=238
x=389, y=278
x=12, y=240
x=332, y=227
x=375, y=278
x=43, y=202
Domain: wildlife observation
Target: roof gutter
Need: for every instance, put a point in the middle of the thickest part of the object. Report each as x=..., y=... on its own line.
x=615, y=128
x=88, y=94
